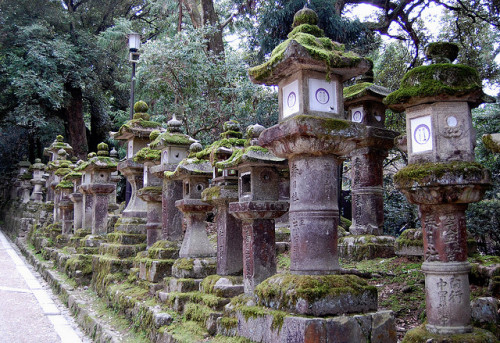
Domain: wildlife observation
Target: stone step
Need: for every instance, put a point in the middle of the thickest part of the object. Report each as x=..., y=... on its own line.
x=164, y=250
x=125, y=238
x=131, y=225
x=202, y=314
x=88, y=250
x=181, y=285
x=154, y=270
x=222, y=286
x=121, y=250
x=195, y=268
x=177, y=301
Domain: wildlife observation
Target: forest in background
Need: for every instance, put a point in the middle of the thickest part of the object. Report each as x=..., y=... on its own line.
x=64, y=69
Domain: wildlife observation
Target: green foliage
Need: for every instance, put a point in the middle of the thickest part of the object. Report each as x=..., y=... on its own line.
x=483, y=218
x=204, y=92
x=274, y=22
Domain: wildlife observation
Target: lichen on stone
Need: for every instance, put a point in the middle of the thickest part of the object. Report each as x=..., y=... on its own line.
x=147, y=154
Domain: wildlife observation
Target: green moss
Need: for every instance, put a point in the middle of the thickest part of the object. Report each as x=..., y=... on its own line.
x=211, y=193
x=436, y=79
x=62, y=171
x=305, y=16
x=420, y=334
x=356, y=90
x=490, y=144
x=226, y=143
x=345, y=223
x=309, y=29
x=231, y=134
x=197, y=312
x=422, y=173
x=171, y=138
x=184, y=264
x=208, y=284
x=442, y=52
x=65, y=184
x=138, y=123
x=287, y=289
x=257, y=312
x=209, y=300
x=319, y=48
x=140, y=107
x=147, y=154
x=329, y=124
x=187, y=331
x=229, y=323
x=27, y=176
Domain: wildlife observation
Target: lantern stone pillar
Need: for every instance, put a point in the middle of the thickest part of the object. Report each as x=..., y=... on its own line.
x=363, y=103
x=174, y=147
x=37, y=181
x=76, y=197
x=151, y=193
x=257, y=208
x=224, y=190
x=196, y=247
x=98, y=171
x=442, y=179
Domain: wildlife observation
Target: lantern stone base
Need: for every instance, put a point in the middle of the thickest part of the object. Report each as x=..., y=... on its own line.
x=421, y=335
x=264, y=325
x=410, y=243
x=194, y=268
x=317, y=295
x=365, y=247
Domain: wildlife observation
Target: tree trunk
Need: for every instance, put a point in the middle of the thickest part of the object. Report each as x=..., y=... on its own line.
x=99, y=124
x=215, y=42
x=75, y=126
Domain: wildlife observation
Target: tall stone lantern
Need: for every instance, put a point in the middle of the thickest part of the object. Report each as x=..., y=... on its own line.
x=222, y=191
x=442, y=179
x=309, y=70
x=53, y=153
x=196, y=250
x=97, y=171
x=257, y=208
x=363, y=102
x=38, y=180
x=174, y=146
x=136, y=134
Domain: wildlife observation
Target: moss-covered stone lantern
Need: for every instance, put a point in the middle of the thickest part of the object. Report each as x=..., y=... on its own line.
x=136, y=133
x=222, y=191
x=53, y=152
x=364, y=103
x=38, y=180
x=309, y=69
x=442, y=178
x=174, y=146
x=99, y=185
x=313, y=137
x=196, y=249
x=258, y=206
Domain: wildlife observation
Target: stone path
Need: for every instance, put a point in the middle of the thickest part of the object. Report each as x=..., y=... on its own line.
x=28, y=312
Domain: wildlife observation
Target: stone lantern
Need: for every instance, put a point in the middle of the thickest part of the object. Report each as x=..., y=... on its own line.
x=222, y=191
x=442, y=179
x=151, y=192
x=174, y=147
x=194, y=175
x=364, y=104
x=97, y=172
x=258, y=206
x=37, y=181
x=24, y=176
x=63, y=168
x=136, y=133
x=53, y=153
x=75, y=196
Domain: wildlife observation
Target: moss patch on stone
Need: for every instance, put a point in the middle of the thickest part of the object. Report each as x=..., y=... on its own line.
x=356, y=90
x=436, y=79
x=211, y=193
x=423, y=173
x=147, y=154
x=287, y=289
x=313, y=41
x=171, y=138
x=229, y=143
x=184, y=264
x=490, y=143
x=420, y=334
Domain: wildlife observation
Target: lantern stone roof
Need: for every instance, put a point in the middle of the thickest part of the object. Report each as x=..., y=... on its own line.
x=364, y=90
x=38, y=165
x=307, y=47
x=189, y=167
x=147, y=155
x=56, y=145
x=99, y=161
x=230, y=141
x=440, y=81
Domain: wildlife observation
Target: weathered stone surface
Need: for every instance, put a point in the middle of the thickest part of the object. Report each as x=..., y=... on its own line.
x=319, y=295
x=181, y=285
x=155, y=270
x=363, y=247
x=194, y=268
x=266, y=326
x=485, y=310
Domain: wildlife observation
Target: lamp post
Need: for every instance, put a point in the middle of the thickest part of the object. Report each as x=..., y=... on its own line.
x=134, y=43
